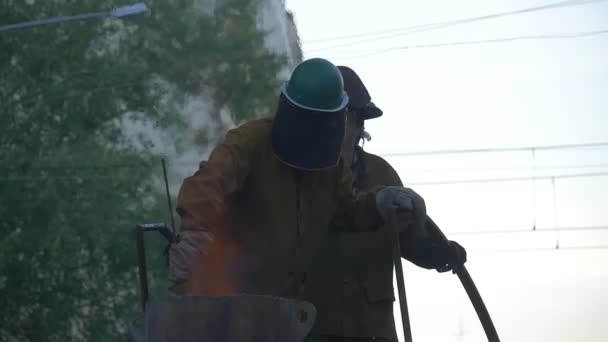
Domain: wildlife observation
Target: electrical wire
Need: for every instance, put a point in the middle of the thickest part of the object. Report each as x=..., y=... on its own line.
x=441, y=182
x=539, y=249
x=506, y=149
x=452, y=169
x=409, y=28
x=397, y=154
x=55, y=167
x=51, y=167
x=392, y=33
x=12, y=165
x=530, y=230
x=478, y=42
x=509, y=179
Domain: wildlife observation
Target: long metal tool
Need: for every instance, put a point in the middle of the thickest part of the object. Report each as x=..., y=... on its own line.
x=405, y=319
x=169, y=202
x=471, y=289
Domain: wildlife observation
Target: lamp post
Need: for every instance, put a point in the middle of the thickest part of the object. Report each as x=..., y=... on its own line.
x=119, y=13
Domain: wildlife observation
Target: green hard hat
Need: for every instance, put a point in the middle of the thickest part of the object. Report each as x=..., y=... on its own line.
x=316, y=84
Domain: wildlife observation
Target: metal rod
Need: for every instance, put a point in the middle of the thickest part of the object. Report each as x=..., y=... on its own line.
x=478, y=304
x=405, y=319
x=119, y=12
x=141, y=262
x=169, y=202
x=54, y=21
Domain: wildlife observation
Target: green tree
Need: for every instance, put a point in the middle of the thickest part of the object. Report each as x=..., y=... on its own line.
x=73, y=181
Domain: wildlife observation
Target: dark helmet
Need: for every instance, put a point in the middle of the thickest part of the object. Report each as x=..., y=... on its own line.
x=308, y=128
x=359, y=99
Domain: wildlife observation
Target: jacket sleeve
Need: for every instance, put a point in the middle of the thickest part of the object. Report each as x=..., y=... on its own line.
x=414, y=250
x=204, y=198
x=407, y=240
x=355, y=211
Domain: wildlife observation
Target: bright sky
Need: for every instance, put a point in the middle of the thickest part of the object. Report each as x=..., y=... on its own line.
x=491, y=95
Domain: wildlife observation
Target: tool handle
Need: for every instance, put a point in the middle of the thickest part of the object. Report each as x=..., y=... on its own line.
x=469, y=287
x=405, y=319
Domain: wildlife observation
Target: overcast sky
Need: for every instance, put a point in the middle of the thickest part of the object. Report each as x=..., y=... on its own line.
x=490, y=95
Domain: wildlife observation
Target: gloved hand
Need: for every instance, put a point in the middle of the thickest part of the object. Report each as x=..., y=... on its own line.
x=402, y=208
x=441, y=256
x=184, y=253
x=448, y=256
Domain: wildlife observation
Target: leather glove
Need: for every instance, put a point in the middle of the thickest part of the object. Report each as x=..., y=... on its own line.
x=184, y=253
x=441, y=256
x=451, y=256
x=402, y=208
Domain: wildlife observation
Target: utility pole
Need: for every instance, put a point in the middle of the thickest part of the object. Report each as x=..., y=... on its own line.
x=118, y=13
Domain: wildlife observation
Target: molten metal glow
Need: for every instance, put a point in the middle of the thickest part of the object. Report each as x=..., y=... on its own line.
x=217, y=272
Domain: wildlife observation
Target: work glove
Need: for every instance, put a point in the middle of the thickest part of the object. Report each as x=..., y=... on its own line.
x=442, y=256
x=402, y=208
x=190, y=245
x=450, y=256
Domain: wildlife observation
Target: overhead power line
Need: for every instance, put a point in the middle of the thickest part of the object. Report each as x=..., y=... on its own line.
x=539, y=249
x=492, y=150
x=414, y=27
x=12, y=165
x=194, y=164
x=453, y=169
x=530, y=230
x=391, y=33
x=510, y=179
x=70, y=166
x=478, y=42
x=110, y=176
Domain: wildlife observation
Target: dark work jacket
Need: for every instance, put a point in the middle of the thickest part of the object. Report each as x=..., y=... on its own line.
x=350, y=281
x=267, y=219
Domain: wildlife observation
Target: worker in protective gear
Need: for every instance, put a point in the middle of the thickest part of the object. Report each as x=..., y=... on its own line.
x=350, y=281
x=255, y=212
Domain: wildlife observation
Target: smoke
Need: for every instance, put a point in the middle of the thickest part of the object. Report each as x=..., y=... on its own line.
x=198, y=127
x=200, y=124
x=282, y=37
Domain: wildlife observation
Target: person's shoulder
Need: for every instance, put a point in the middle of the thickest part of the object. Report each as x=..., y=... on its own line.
x=256, y=125
x=257, y=129
x=375, y=159
x=379, y=169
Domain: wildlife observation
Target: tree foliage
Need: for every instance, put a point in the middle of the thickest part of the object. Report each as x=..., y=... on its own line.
x=73, y=182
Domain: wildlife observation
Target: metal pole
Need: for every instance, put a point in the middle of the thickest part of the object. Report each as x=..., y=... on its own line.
x=119, y=12
x=405, y=319
x=141, y=262
x=478, y=304
x=169, y=203
x=53, y=21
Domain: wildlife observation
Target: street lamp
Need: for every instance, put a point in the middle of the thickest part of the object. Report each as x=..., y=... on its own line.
x=119, y=12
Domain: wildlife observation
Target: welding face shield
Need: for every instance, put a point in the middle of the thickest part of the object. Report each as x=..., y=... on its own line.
x=308, y=127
